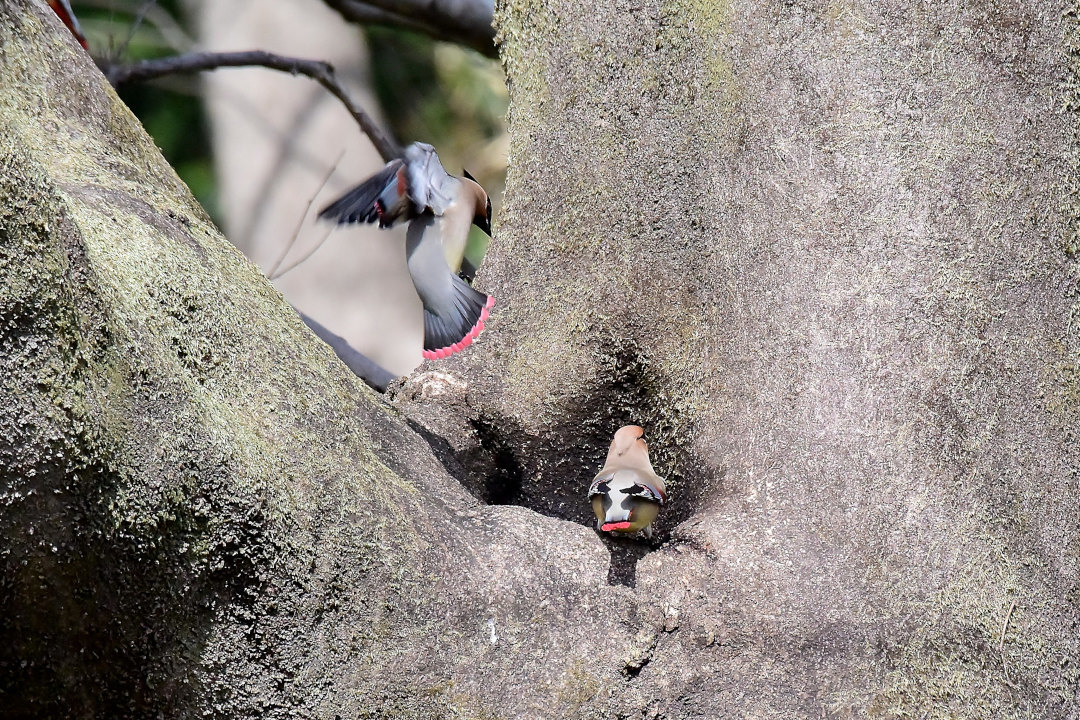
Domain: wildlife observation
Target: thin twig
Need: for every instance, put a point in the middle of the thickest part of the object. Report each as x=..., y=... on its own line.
x=164, y=23
x=134, y=28
x=307, y=209
x=305, y=256
x=1005, y=625
x=288, y=149
x=319, y=71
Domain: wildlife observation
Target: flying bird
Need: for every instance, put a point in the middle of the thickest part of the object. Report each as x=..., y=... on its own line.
x=439, y=209
x=627, y=494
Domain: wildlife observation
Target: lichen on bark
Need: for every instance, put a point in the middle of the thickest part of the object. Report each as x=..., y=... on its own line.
x=820, y=251
x=833, y=234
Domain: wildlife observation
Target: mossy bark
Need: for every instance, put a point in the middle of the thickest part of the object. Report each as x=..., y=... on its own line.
x=822, y=252
x=204, y=513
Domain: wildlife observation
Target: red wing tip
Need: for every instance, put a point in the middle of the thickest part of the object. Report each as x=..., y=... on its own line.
x=625, y=525
x=474, y=332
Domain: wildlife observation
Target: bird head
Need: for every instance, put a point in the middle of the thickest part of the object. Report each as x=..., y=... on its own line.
x=482, y=218
x=629, y=444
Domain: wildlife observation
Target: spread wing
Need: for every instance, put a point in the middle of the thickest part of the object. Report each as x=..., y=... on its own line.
x=430, y=186
x=402, y=190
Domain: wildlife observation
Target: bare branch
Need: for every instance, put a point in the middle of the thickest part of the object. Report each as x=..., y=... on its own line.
x=134, y=27
x=362, y=366
x=296, y=233
x=465, y=22
x=303, y=258
x=319, y=71
x=1005, y=625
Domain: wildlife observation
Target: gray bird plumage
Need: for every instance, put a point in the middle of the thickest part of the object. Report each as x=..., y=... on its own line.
x=439, y=209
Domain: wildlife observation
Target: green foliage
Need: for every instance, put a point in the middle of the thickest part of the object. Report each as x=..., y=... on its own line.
x=171, y=109
x=448, y=96
x=443, y=94
x=437, y=92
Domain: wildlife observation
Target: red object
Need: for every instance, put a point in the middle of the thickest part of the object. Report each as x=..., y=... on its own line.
x=615, y=526
x=63, y=10
x=466, y=341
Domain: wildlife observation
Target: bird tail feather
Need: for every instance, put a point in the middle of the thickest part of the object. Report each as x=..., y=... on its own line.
x=455, y=328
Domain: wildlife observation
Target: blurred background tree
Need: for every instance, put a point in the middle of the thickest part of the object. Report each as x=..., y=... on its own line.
x=256, y=146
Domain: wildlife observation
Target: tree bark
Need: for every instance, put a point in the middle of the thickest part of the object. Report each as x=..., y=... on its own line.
x=205, y=513
x=823, y=253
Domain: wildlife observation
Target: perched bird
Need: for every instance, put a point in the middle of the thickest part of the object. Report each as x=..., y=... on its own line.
x=439, y=209
x=626, y=495
x=63, y=10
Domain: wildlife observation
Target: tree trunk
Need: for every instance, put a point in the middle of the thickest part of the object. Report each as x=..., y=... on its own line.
x=823, y=254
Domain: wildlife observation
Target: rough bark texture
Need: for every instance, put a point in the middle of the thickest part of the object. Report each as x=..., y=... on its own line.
x=204, y=513
x=821, y=252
